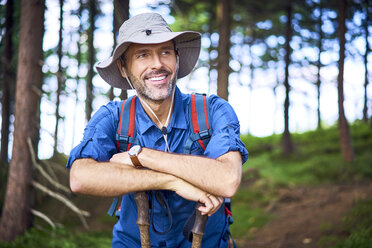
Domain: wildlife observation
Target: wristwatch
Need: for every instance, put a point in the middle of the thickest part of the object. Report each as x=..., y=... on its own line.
x=133, y=154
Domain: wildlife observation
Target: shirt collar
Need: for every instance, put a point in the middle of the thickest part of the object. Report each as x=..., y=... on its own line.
x=178, y=118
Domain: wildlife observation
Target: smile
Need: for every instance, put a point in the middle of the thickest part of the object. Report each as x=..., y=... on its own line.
x=157, y=78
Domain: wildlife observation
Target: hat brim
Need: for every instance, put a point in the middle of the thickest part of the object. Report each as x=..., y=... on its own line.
x=188, y=44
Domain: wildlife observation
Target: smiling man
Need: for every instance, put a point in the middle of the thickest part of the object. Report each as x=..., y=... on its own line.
x=150, y=58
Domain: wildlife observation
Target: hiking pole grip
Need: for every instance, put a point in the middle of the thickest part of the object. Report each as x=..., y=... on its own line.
x=143, y=218
x=198, y=228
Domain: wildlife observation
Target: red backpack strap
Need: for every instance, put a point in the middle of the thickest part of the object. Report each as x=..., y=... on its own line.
x=126, y=135
x=199, y=116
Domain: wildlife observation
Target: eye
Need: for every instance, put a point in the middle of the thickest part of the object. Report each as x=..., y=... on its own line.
x=141, y=55
x=166, y=52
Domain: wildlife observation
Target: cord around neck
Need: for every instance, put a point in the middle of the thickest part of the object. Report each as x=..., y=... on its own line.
x=163, y=127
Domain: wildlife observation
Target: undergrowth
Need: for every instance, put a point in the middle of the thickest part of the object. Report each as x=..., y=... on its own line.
x=316, y=160
x=357, y=227
x=60, y=238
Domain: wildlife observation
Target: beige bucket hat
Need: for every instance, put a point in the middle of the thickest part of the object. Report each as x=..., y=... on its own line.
x=150, y=28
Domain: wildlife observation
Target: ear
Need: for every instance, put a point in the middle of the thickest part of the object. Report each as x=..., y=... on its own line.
x=120, y=67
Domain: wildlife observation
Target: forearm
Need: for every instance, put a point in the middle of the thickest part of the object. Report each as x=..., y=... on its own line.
x=88, y=176
x=217, y=176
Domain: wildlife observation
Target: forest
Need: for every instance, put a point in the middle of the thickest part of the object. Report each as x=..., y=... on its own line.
x=296, y=72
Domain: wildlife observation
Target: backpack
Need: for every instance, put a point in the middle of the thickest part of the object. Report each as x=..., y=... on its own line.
x=202, y=132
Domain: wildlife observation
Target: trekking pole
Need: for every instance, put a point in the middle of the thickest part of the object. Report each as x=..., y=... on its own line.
x=143, y=218
x=198, y=228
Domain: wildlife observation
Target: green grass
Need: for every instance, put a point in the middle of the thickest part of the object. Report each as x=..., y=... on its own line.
x=357, y=227
x=317, y=158
x=61, y=238
x=248, y=211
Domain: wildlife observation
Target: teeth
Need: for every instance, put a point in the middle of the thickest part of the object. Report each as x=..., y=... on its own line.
x=157, y=78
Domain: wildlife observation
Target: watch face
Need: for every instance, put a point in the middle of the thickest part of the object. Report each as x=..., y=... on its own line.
x=134, y=150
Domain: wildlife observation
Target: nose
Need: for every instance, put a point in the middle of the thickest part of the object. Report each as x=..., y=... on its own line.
x=156, y=62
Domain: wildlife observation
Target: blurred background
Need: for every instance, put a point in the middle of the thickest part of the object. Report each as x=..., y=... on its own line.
x=296, y=72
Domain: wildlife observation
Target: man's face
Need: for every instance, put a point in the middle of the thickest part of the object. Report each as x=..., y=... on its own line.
x=152, y=69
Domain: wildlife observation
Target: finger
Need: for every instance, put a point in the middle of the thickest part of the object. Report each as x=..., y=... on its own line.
x=207, y=205
x=216, y=204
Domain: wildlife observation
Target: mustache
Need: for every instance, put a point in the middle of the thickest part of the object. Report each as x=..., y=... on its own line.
x=156, y=72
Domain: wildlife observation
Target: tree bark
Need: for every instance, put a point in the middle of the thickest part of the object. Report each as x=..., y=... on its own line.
x=77, y=78
x=91, y=59
x=16, y=215
x=287, y=145
x=8, y=80
x=366, y=82
x=60, y=77
x=211, y=61
x=223, y=68
x=319, y=63
x=121, y=14
x=346, y=147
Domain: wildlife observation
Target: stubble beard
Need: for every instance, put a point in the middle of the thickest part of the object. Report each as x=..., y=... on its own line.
x=146, y=93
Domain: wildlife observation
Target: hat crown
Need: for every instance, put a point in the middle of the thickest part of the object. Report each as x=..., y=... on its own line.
x=146, y=29
x=142, y=24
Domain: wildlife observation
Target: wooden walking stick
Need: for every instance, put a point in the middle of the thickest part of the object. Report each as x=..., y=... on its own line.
x=140, y=197
x=198, y=228
x=143, y=218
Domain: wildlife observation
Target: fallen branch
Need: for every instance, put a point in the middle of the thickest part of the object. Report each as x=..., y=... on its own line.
x=44, y=217
x=48, y=168
x=43, y=172
x=64, y=200
x=61, y=170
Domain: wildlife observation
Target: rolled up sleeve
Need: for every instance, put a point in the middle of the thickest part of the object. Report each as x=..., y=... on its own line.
x=226, y=130
x=99, y=137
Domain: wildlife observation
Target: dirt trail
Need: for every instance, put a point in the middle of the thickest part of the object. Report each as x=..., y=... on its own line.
x=304, y=215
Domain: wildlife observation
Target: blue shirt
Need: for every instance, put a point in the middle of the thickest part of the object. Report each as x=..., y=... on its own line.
x=99, y=143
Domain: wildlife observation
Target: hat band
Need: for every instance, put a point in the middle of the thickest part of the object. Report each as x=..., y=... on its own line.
x=147, y=31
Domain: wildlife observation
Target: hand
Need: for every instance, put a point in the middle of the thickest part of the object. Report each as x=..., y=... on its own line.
x=122, y=158
x=210, y=203
x=217, y=202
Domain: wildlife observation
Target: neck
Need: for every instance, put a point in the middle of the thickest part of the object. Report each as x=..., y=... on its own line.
x=162, y=109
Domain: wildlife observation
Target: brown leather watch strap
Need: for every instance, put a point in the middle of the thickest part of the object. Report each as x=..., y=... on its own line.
x=136, y=162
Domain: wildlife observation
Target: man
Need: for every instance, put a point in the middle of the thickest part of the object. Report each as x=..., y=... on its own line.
x=150, y=57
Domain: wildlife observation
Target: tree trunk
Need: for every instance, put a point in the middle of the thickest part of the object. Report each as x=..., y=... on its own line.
x=121, y=14
x=223, y=68
x=251, y=77
x=366, y=82
x=346, y=147
x=77, y=79
x=8, y=80
x=91, y=59
x=16, y=217
x=287, y=145
x=60, y=77
x=211, y=10
x=319, y=63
